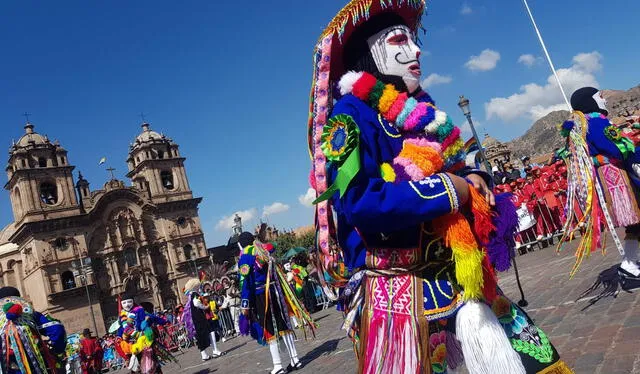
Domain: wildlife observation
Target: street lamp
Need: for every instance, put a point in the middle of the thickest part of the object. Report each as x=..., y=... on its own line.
x=83, y=270
x=464, y=105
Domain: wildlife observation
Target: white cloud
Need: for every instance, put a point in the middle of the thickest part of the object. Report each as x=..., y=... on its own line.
x=434, y=79
x=226, y=222
x=466, y=129
x=466, y=9
x=487, y=60
x=275, y=208
x=535, y=101
x=308, y=197
x=527, y=60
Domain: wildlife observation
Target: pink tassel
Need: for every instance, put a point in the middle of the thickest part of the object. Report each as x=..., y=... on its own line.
x=624, y=213
x=392, y=345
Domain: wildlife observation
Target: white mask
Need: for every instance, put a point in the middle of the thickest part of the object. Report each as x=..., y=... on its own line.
x=396, y=53
x=127, y=305
x=287, y=266
x=602, y=103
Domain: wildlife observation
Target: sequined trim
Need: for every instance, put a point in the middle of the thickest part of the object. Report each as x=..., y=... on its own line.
x=381, y=122
x=444, y=312
x=453, y=196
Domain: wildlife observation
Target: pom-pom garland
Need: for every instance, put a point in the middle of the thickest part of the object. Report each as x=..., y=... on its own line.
x=12, y=311
x=407, y=114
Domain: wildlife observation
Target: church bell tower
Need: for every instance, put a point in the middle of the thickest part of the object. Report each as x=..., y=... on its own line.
x=40, y=179
x=156, y=167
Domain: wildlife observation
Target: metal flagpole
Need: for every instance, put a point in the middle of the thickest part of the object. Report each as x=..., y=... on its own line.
x=546, y=53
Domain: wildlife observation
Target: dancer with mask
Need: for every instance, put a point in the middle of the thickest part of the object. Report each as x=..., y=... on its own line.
x=602, y=191
x=418, y=279
x=144, y=354
x=197, y=319
x=267, y=301
x=24, y=329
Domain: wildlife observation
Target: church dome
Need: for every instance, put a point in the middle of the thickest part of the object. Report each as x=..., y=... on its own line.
x=494, y=149
x=149, y=136
x=31, y=137
x=490, y=141
x=6, y=233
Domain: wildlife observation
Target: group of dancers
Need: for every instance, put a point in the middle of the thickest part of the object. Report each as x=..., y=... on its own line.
x=410, y=238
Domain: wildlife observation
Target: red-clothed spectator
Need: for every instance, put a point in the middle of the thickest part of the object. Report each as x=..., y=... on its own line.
x=91, y=353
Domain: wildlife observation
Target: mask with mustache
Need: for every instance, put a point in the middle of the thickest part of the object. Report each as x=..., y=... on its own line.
x=396, y=54
x=385, y=47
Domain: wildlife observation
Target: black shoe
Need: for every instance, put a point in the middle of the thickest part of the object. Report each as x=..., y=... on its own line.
x=297, y=366
x=628, y=281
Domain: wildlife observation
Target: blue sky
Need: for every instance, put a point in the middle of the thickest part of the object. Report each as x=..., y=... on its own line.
x=229, y=82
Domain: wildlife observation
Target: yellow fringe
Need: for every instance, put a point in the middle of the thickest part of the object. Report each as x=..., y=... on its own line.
x=557, y=368
x=457, y=234
x=469, y=273
x=453, y=148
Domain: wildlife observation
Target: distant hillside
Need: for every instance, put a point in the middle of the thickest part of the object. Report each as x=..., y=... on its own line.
x=622, y=103
x=541, y=138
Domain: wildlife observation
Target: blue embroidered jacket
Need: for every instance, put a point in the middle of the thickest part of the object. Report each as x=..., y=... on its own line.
x=252, y=271
x=374, y=213
x=600, y=144
x=52, y=329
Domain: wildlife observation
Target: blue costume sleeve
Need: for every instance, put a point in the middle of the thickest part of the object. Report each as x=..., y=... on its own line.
x=156, y=320
x=140, y=317
x=382, y=207
x=245, y=270
x=599, y=144
x=466, y=171
x=373, y=205
x=52, y=329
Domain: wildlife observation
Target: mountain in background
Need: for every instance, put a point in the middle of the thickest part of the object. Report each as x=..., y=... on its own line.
x=543, y=137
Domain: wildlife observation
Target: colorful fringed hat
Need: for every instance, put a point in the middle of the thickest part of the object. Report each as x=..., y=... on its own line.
x=328, y=68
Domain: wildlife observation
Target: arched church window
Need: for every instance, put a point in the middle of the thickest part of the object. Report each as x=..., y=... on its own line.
x=68, y=280
x=130, y=257
x=188, y=252
x=18, y=201
x=160, y=155
x=167, y=179
x=48, y=193
x=11, y=278
x=42, y=162
x=181, y=221
x=60, y=244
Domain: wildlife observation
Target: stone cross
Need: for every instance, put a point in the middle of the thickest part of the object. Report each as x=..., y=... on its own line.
x=111, y=170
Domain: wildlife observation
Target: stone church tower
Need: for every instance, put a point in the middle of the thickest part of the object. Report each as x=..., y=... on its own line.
x=69, y=244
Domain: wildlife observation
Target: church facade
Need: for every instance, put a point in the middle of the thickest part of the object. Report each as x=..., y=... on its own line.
x=72, y=250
